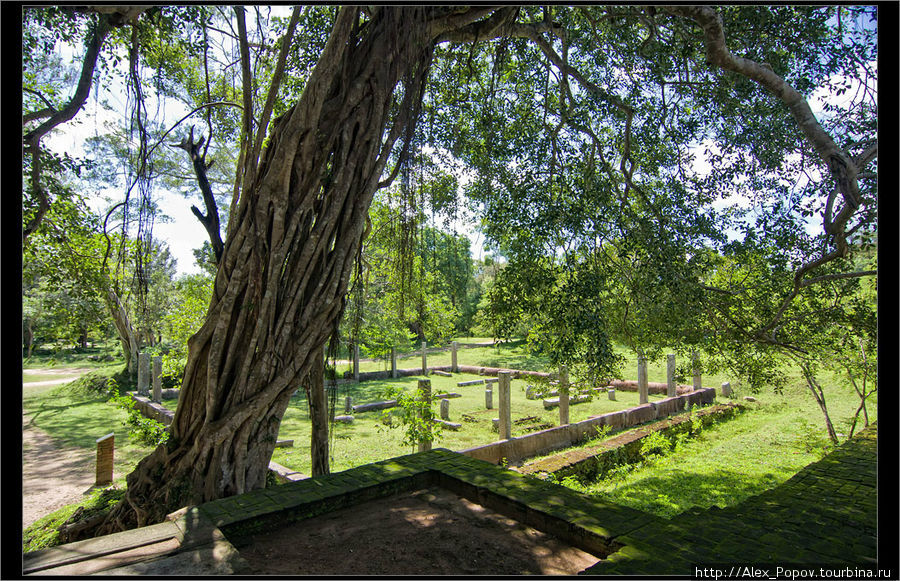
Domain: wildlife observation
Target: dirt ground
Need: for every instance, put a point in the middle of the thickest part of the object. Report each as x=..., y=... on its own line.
x=428, y=532
x=52, y=477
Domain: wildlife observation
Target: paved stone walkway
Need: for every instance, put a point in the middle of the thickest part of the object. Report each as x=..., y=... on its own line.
x=825, y=515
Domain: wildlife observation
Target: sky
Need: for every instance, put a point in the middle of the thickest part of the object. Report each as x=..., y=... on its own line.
x=181, y=229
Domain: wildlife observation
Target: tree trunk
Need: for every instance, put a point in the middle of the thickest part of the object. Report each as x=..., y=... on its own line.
x=819, y=396
x=292, y=242
x=127, y=336
x=28, y=337
x=318, y=415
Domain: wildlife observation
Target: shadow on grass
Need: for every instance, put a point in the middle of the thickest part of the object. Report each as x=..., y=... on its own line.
x=77, y=423
x=675, y=491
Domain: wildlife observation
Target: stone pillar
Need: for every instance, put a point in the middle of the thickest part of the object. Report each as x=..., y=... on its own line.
x=105, y=448
x=157, y=381
x=611, y=392
x=348, y=405
x=563, y=395
x=505, y=411
x=425, y=388
x=356, y=361
x=144, y=374
x=643, y=388
x=445, y=409
x=488, y=399
x=726, y=389
x=671, y=390
x=453, y=364
x=424, y=360
x=393, y=363
x=695, y=363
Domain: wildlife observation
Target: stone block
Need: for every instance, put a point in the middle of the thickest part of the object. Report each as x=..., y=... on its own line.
x=157, y=379
x=343, y=419
x=472, y=382
x=375, y=406
x=449, y=425
x=143, y=374
x=105, y=451
x=615, y=420
x=640, y=414
x=664, y=407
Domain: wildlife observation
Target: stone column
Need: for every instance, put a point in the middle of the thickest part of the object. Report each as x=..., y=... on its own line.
x=611, y=392
x=393, y=363
x=424, y=360
x=348, y=405
x=505, y=411
x=425, y=388
x=563, y=395
x=144, y=374
x=643, y=388
x=671, y=390
x=488, y=399
x=726, y=389
x=356, y=361
x=695, y=361
x=453, y=364
x=445, y=409
x=157, y=381
x=105, y=448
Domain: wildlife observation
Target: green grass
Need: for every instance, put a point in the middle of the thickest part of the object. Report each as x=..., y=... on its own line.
x=75, y=415
x=727, y=463
x=368, y=439
x=731, y=461
x=99, y=355
x=44, y=532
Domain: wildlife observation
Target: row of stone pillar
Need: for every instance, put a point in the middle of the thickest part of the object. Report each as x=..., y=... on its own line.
x=454, y=366
x=145, y=377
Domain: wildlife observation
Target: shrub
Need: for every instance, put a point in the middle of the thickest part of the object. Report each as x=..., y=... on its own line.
x=144, y=430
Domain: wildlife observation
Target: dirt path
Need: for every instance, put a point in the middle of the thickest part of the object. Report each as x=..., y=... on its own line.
x=52, y=476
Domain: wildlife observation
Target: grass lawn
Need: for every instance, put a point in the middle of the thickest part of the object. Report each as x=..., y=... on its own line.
x=76, y=417
x=733, y=460
x=368, y=438
x=727, y=463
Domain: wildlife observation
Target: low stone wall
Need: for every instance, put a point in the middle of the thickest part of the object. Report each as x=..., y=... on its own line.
x=152, y=410
x=652, y=386
x=588, y=463
x=386, y=374
x=544, y=441
x=494, y=371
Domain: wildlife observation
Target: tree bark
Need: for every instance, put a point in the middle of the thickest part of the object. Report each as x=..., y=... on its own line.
x=280, y=287
x=318, y=415
x=127, y=336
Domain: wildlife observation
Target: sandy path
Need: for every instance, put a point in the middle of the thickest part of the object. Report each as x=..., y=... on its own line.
x=52, y=476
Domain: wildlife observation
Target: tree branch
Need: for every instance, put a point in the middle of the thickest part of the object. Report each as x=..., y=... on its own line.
x=253, y=159
x=211, y=220
x=837, y=276
x=843, y=169
x=89, y=63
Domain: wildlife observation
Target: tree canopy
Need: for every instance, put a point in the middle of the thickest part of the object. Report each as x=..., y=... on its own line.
x=655, y=175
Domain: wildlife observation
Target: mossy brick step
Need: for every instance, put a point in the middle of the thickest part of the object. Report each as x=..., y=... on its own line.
x=188, y=546
x=826, y=514
x=544, y=505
